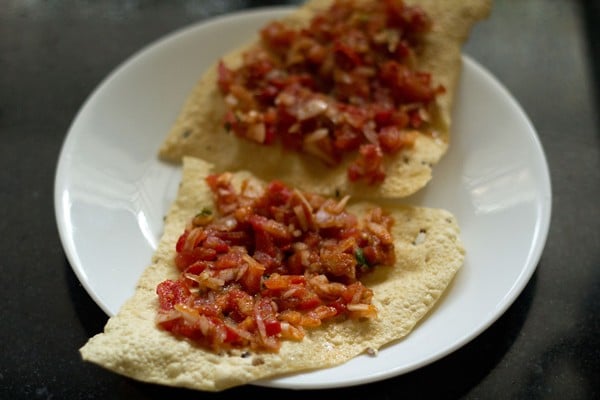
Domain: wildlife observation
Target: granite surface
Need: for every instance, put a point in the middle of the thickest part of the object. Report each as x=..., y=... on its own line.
x=54, y=53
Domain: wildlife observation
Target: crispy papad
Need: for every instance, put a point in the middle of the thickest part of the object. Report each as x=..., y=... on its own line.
x=198, y=130
x=428, y=252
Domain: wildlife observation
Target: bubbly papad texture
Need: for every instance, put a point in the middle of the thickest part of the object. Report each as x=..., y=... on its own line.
x=198, y=131
x=428, y=254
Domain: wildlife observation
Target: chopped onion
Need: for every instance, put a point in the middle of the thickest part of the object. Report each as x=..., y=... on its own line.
x=165, y=316
x=380, y=232
x=316, y=135
x=241, y=271
x=299, y=211
x=231, y=100
x=311, y=108
x=285, y=98
x=227, y=274
x=322, y=216
x=339, y=207
x=260, y=324
x=289, y=293
x=314, y=149
x=189, y=314
x=357, y=307
x=244, y=334
x=206, y=280
x=370, y=133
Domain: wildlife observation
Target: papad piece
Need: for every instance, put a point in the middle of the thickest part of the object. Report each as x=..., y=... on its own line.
x=198, y=130
x=428, y=253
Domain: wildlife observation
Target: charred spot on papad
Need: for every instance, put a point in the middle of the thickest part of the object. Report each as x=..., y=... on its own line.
x=428, y=253
x=200, y=129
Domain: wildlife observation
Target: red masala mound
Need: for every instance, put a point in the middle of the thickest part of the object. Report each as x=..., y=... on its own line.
x=347, y=83
x=268, y=263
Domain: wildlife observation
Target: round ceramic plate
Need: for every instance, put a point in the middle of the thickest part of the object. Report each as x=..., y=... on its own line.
x=111, y=193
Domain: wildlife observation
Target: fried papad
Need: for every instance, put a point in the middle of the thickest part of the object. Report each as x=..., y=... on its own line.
x=198, y=131
x=428, y=253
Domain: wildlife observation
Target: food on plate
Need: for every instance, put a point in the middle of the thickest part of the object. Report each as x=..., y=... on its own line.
x=385, y=304
x=267, y=262
x=347, y=96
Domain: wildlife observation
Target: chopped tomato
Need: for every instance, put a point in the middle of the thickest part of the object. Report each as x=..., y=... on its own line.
x=368, y=165
x=171, y=293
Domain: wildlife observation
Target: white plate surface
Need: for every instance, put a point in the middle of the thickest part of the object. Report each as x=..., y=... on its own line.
x=111, y=193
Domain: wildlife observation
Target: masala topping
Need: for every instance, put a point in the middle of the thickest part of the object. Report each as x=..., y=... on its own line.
x=269, y=262
x=345, y=84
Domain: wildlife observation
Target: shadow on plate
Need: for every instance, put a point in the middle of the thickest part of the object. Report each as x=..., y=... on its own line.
x=91, y=316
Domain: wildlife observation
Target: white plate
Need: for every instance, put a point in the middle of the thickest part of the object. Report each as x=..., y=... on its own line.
x=111, y=193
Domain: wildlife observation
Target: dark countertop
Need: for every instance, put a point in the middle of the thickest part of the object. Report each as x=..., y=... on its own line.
x=53, y=54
